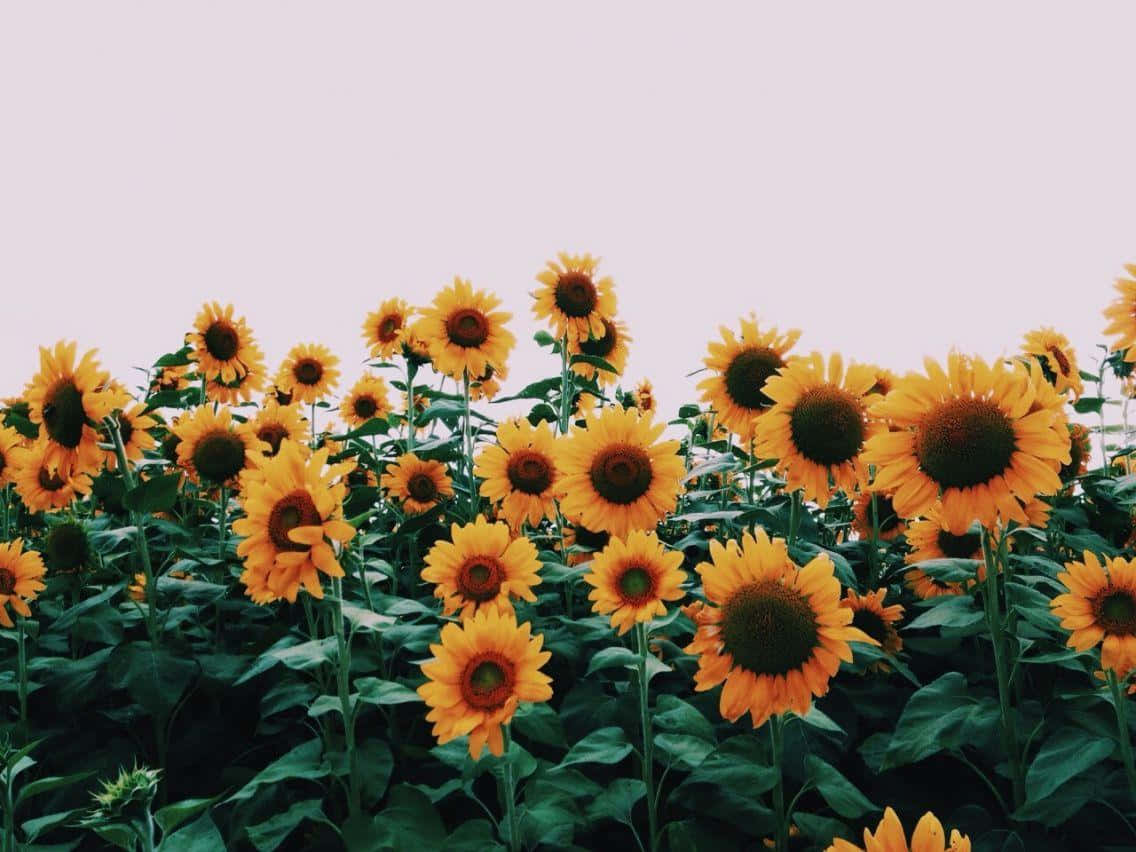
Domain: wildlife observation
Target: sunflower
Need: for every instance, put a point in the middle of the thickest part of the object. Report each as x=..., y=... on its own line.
x=581, y=537
x=275, y=423
x=890, y=525
x=777, y=632
x=741, y=368
x=280, y=394
x=242, y=387
x=465, y=334
x=21, y=579
x=632, y=577
x=223, y=345
x=572, y=299
x=419, y=484
x=968, y=436
x=1058, y=361
x=890, y=837
x=584, y=404
x=817, y=425
x=134, y=426
x=1080, y=451
x=616, y=475
x=1100, y=608
x=366, y=400
x=66, y=547
x=481, y=670
x=1122, y=315
x=67, y=401
x=488, y=384
x=645, y=397
x=212, y=447
x=169, y=379
x=415, y=346
x=292, y=512
x=885, y=380
x=41, y=485
x=871, y=616
x=309, y=372
x=519, y=472
x=10, y=441
x=420, y=404
x=1037, y=513
x=137, y=589
x=482, y=567
x=611, y=346
x=383, y=329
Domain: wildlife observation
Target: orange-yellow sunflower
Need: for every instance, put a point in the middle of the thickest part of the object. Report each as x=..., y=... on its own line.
x=572, y=298
x=383, y=329
x=223, y=345
x=890, y=525
x=418, y=484
x=871, y=616
x=134, y=425
x=611, y=346
x=1121, y=314
x=309, y=372
x=776, y=633
x=519, y=471
x=890, y=837
x=465, y=332
x=1100, y=608
x=482, y=567
x=616, y=475
x=10, y=440
x=645, y=397
x=633, y=577
x=68, y=401
x=967, y=435
x=481, y=671
x=275, y=423
x=240, y=388
x=581, y=537
x=1080, y=451
x=488, y=384
x=21, y=579
x=41, y=485
x=293, y=513
x=1058, y=361
x=741, y=367
x=213, y=448
x=415, y=345
x=170, y=379
x=367, y=399
x=885, y=380
x=817, y=425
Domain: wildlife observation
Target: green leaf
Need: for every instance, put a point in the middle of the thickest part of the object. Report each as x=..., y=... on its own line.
x=933, y=719
x=201, y=835
x=595, y=361
x=541, y=724
x=175, y=359
x=171, y=816
x=737, y=764
x=618, y=801
x=1089, y=404
x=543, y=338
x=33, y=828
x=158, y=494
x=537, y=390
x=305, y=761
x=675, y=716
x=410, y=822
x=364, y=619
x=840, y=793
x=948, y=611
x=268, y=835
x=155, y=678
x=1066, y=754
x=372, y=690
x=301, y=657
x=52, y=782
x=949, y=570
x=607, y=745
x=475, y=835
x=682, y=750
x=619, y=656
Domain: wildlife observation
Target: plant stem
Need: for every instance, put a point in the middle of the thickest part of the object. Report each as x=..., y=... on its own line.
x=565, y=387
x=224, y=523
x=648, y=738
x=7, y=495
x=1119, y=702
x=467, y=444
x=22, y=675
x=874, y=546
x=410, y=371
x=343, y=671
x=777, y=744
x=509, y=794
x=794, y=517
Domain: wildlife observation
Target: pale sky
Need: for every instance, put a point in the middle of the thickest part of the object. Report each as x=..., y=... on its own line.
x=892, y=178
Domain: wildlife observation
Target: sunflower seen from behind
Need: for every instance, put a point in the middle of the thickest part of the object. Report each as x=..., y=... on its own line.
x=1099, y=608
x=1057, y=359
x=519, y=472
x=465, y=332
x=309, y=372
x=1080, y=451
x=223, y=346
x=66, y=547
x=611, y=346
x=633, y=578
x=417, y=484
x=213, y=448
x=368, y=398
x=573, y=298
x=889, y=836
x=21, y=579
x=383, y=329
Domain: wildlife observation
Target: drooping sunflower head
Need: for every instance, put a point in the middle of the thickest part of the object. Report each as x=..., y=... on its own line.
x=21, y=579
x=1058, y=361
x=1100, y=608
x=465, y=332
x=889, y=836
x=1080, y=451
x=309, y=372
x=418, y=484
x=969, y=436
x=41, y=483
x=223, y=345
x=519, y=472
x=573, y=298
x=740, y=367
x=481, y=671
x=776, y=633
x=10, y=440
x=611, y=346
x=367, y=399
x=871, y=616
x=1121, y=314
x=275, y=423
x=213, y=448
x=633, y=577
x=66, y=547
x=817, y=425
x=383, y=329
x=889, y=525
x=616, y=475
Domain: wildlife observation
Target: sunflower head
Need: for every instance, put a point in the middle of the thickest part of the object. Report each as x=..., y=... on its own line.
x=368, y=399
x=645, y=397
x=41, y=483
x=573, y=298
x=611, y=346
x=1121, y=314
x=889, y=835
x=275, y=423
x=889, y=525
x=223, y=345
x=417, y=483
x=213, y=448
x=21, y=579
x=169, y=379
x=66, y=548
x=632, y=578
x=309, y=372
x=10, y=441
x=465, y=331
x=1080, y=451
x=242, y=386
x=488, y=384
x=519, y=472
x=1100, y=609
x=383, y=329
x=1054, y=354
x=878, y=621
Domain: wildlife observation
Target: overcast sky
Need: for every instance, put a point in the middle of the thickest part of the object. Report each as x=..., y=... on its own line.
x=892, y=179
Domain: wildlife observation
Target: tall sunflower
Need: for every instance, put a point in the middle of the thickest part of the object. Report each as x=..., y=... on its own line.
x=616, y=475
x=890, y=837
x=40, y=483
x=519, y=471
x=383, y=329
x=21, y=579
x=572, y=298
x=1080, y=451
x=367, y=399
x=482, y=568
x=418, y=484
x=293, y=512
x=309, y=372
x=1058, y=361
x=488, y=384
x=1100, y=608
x=223, y=345
x=776, y=633
x=481, y=671
x=577, y=537
x=871, y=616
x=611, y=346
x=817, y=425
x=967, y=435
x=741, y=367
x=134, y=425
x=1121, y=314
x=169, y=379
x=889, y=525
x=240, y=388
x=633, y=577
x=275, y=423
x=212, y=447
x=67, y=401
x=10, y=441
x=464, y=331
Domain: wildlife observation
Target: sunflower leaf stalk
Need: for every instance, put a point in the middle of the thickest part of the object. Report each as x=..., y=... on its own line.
x=643, y=648
x=1124, y=734
x=343, y=671
x=794, y=517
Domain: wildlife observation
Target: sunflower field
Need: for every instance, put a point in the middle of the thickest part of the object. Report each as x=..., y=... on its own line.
x=820, y=607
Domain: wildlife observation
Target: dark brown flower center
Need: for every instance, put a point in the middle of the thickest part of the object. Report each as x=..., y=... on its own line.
x=621, y=473
x=65, y=547
x=529, y=472
x=219, y=456
x=467, y=328
x=1078, y=452
x=422, y=488
x=365, y=407
x=388, y=327
x=125, y=429
x=480, y=578
x=308, y=371
x=636, y=585
x=222, y=341
x=576, y=295
x=295, y=510
x=50, y=480
x=871, y=623
x=1115, y=611
x=594, y=540
x=284, y=397
x=768, y=628
x=746, y=376
x=63, y=414
x=272, y=434
x=827, y=425
x=1061, y=359
x=965, y=442
x=965, y=546
x=7, y=582
x=601, y=347
x=487, y=681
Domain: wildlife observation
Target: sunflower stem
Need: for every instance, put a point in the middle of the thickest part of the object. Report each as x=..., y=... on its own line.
x=648, y=739
x=467, y=444
x=565, y=386
x=223, y=507
x=1124, y=734
x=22, y=676
x=343, y=671
x=509, y=793
x=777, y=745
x=7, y=501
x=410, y=372
x=874, y=546
x=313, y=425
x=794, y=517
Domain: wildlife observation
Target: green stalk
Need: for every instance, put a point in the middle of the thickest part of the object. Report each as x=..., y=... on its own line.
x=1119, y=703
x=648, y=738
x=313, y=425
x=565, y=387
x=794, y=517
x=22, y=675
x=467, y=444
x=6, y=528
x=509, y=794
x=410, y=371
x=9, y=811
x=222, y=526
x=874, y=551
x=777, y=744
x=343, y=670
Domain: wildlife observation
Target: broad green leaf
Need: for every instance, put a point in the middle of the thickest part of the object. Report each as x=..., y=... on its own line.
x=158, y=494
x=737, y=764
x=539, y=723
x=372, y=690
x=304, y=656
x=474, y=835
x=840, y=793
x=607, y=745
x=930, y=716
x=682, y=750
x=171, y=816
x=949, y=570
x=1066, y=754
x=268, y=835
x=409, y=822
x=305, y=761
x=201, y=835
x=948, y=611
x=618, y=800
x=155, y=678
x=52, y=782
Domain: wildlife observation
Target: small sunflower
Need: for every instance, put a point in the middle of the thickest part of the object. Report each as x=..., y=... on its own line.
x=222, y=343
x=241, y=388
x=481, y=671
x=415, y=346
x=572, y=299
x=616, y=475
x=1100, y=608
x=1121, y=314
x=482, y=567
x=741, y=367
x=293, y=512
x=41, y=485
x=967, y=435
x=890, y=837
x=367, y=399
x=871, y=616
x=584, y=404
x=1058, y=361
x=66, y=547
x=275, y=423
x=418, y=484
x=67, y=401
x=309, y=372
x=21, y=579
x=137, y=589
x=519, y=472
x=929, y=539
x=645, y=397
x=465, y=332
x=212, y=447
x=633, y=577
x=10, y=442
x=817, y=425
x=611, y=346
x=1080, y=451
x=488, y=384
x=885, y=380
x=134, y=426
x=169, y=379
x=777, y=632
x=383, y=329
x=890, y=525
